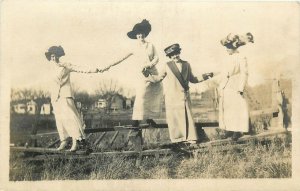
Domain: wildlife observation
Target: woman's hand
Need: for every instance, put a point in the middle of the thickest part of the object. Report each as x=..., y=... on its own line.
x=206, y=76
x=103, y=70
x=146, y=71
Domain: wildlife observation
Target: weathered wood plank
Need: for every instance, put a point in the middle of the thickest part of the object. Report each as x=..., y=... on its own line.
x=154, y=153
x=54, y=143
x=168, y=149
x=160, y=123
x=264, y=111
x=114, y=138
x=245, y=138
x=143, y=153
x=100, y=138
x=44, y=150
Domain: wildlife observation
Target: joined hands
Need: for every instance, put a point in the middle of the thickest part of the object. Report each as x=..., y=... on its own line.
x=103, y=70
x=207, y=76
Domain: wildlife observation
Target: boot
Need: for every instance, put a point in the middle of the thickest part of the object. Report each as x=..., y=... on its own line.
x=62, y=145
x=228, y=134
x=151, y=122
x=74, y=145
x=135, y=123
x=83, y=144
x=236, y=135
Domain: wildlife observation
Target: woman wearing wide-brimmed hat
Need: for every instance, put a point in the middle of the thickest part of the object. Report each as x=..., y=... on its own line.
x=233, y=108
x=148, y=98
x=68, y=120
x=177, y=75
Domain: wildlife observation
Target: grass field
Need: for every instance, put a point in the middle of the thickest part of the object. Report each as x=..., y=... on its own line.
x=253, y=161
x=272, y=160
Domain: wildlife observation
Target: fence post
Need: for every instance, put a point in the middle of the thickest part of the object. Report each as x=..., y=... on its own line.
x=277, y=101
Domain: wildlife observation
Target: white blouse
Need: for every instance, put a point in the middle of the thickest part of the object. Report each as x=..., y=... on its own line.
x=60, y=82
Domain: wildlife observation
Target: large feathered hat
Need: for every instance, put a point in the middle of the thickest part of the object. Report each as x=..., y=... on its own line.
x=233, y=41
x=143, y=27
x=57, y=50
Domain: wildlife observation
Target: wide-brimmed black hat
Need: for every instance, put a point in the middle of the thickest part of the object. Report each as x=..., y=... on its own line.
x=174, y=48
x=57, y=50
x=140, y=28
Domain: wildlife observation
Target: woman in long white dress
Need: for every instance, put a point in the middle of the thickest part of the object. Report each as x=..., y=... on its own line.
x=233, y=108
x=149, y=96
x=68, y=120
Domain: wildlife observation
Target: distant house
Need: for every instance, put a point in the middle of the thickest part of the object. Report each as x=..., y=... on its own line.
x=205, y=99
x=101, y=104
x=46, y=109
x=78, y=105
x=128, y=103
x=32, y=107
x=20, y=108
x=117, y=102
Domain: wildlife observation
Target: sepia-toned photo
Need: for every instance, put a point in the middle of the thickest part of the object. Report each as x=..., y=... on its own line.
x=150, y=95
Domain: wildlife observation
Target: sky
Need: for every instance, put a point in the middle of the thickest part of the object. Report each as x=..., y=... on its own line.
x=93, y=33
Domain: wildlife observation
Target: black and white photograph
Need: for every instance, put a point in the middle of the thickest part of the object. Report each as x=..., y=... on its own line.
x=149, y=95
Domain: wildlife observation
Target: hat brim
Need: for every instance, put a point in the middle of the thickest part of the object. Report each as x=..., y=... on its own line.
x=48, y=55
x=177, y=51
x=132, y=34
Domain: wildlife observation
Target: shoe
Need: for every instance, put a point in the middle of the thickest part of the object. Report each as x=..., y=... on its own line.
x=151, y=122
x=74, y=145
x=62, y=145
x=236, y=136
x=135, y=123
x=227, y=134
x=192, y=142
x=85, y=145
x=82, y=143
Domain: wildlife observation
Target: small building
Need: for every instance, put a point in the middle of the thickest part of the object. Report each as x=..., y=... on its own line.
x=20, y=108
x=46, y=109
x=101, y=104
x=31, y=107
x=78, y=105
x=117, y=102
x=128, y=103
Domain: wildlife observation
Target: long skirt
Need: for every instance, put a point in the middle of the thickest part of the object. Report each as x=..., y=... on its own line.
x=148, y=101
x=179, y=118
x=68, y=120
x=233, y=111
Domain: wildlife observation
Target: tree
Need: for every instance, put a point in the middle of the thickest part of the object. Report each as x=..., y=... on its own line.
x=108, y=88
x=26, y=94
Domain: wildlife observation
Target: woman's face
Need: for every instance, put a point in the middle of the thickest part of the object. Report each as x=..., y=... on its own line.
x=54, y=58
x=140, y=36
x=175, y=57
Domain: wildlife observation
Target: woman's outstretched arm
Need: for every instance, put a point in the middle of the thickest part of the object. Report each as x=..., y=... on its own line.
x=115, y=63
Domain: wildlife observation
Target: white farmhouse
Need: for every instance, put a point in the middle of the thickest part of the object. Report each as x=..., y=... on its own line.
x=46, y=109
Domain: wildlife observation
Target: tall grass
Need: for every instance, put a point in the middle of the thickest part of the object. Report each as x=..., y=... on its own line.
x=271, y=160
